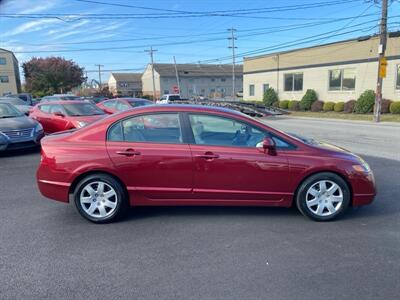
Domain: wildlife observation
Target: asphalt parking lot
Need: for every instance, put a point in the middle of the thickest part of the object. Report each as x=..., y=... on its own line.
x=48, y=251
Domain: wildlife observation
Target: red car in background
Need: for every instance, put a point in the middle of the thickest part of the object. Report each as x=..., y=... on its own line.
x=196, y=155
x=111, y=106
x=64, y=115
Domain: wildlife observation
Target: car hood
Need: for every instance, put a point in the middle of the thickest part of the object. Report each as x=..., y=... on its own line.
x=16, y=123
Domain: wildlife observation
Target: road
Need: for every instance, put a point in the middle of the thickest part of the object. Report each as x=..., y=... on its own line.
x=47, y=251
x=365, y=138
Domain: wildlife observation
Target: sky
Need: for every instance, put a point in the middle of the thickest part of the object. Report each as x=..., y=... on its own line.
x=116, y=33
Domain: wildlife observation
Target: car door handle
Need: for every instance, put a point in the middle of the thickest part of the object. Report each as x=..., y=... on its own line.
x=207, y=155
x=128, y=152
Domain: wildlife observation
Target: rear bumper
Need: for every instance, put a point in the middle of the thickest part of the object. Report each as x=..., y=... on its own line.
x=54, y=190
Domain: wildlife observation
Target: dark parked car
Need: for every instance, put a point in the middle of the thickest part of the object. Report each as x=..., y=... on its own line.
x=27, y=98
x=111, y=106
x=196, y=155
x=17, y=130
x=18, y=103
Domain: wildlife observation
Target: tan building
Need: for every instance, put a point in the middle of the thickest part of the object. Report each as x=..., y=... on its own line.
x=10, y=82
x=125, y=84
x=337, y=71
x=206, y=80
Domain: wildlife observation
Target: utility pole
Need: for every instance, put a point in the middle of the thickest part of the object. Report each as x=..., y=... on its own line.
x=381, y=62
x=99, y=66
x=232, y=46
x=177, y=76
x=151, y=51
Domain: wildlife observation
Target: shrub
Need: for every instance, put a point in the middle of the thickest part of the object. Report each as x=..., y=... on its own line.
x=339, y=106
x=349, y=106
x=284, y=104
x=294, y=105
x=275, y=104
x=308, y=99
x=270, y=96
x=365, y=102
x=385, y=106
x=395, y=107
x=317, y=106
x=328, y=106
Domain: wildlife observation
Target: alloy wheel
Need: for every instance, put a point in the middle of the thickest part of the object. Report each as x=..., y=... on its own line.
x=324, y=198
x=98, y=199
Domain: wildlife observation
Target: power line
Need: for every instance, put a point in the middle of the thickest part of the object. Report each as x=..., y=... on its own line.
x=179, y=14
x=159, y=45
x=270, y=30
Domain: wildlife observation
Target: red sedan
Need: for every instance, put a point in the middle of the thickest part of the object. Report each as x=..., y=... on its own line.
x=64, y=115
x=196, y=155
x=111, y=106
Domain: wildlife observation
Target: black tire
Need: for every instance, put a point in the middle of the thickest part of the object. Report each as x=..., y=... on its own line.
x=309, y=182
x=121, y=198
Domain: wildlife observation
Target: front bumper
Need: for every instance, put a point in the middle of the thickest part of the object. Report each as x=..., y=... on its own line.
x=364, y=188
x=7, y=144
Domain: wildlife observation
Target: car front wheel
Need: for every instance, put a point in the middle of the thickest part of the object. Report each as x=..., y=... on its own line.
x=100, y=198
x=323, y=197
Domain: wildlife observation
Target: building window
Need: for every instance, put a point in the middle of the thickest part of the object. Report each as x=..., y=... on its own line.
x=342, y=79
x=4, y=79
x=398, y=78
x=293, y=82
x=265, y=87
x=212, y=79
x=251, y=90
x=223, y=79
x=2, y=60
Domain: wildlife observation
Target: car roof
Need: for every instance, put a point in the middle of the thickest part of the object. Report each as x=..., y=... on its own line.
x=185, y=108
x=61, y=102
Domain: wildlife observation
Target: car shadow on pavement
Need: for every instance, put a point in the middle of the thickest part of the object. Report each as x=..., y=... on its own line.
x=20, y=152
x=386, y=203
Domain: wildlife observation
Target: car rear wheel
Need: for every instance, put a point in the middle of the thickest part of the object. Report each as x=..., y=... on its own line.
x=323, y=196
x=100, y=198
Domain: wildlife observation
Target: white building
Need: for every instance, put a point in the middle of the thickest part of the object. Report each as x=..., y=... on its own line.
x=10, y=82
x=337, y=71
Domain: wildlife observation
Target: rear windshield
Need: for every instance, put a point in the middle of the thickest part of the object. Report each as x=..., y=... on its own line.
x=82, y=109
x=9, y=111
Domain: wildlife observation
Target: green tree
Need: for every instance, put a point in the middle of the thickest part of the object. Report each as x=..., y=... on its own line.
x=51, y=75
x=270, y=97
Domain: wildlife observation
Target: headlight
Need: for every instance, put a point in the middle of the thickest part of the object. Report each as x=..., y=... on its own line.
x=81, y=124
x=362, y=167
x=38, y=127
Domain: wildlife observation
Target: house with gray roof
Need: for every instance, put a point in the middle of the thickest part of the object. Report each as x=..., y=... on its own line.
x=195, y=80
x=125, y=84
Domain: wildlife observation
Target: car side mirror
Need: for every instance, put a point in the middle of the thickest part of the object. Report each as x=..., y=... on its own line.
x=58, y=114
x=267, y=146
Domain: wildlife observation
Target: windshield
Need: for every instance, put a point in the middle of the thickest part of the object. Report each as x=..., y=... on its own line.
x=13, y=101
x=175, y=97
x=82, y=109
x=9, y=111
x=139, y=103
